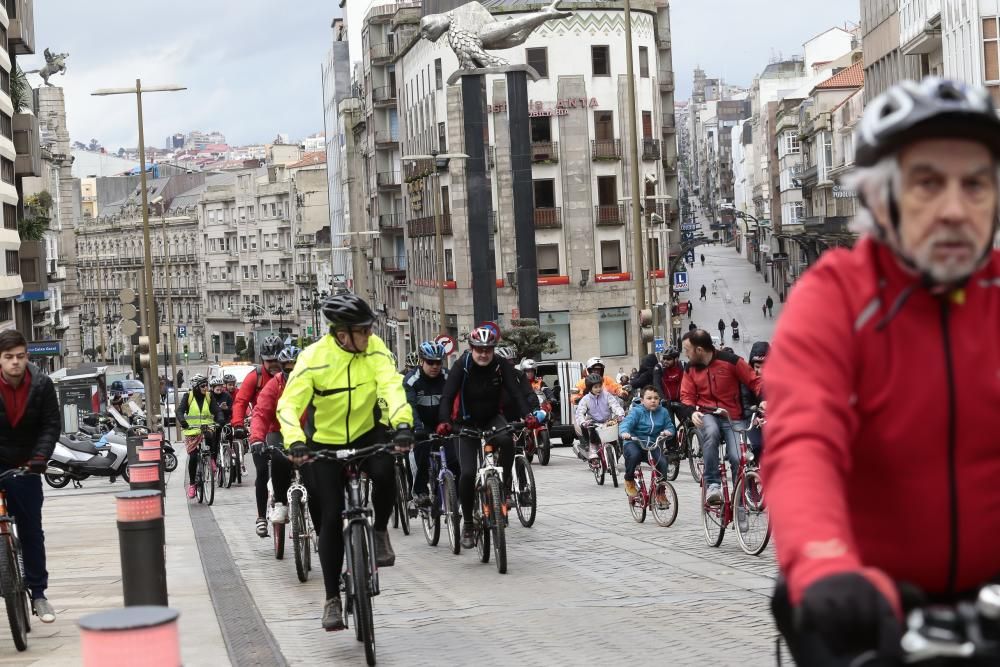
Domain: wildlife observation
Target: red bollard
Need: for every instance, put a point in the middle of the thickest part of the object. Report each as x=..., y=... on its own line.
x=140, y=542
x=143, y=635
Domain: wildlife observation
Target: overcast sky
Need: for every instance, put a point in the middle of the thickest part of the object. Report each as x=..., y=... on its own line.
x=253, y=66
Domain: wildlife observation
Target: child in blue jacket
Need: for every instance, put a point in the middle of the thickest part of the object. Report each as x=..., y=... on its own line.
x=644, y=422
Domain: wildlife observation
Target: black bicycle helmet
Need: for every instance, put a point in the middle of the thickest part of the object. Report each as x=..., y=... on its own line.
x=592, y=381
x=347, y=310
x=270, y=348
x=198, y=380
x=229, y=378
x=932, y=108
x=671, y=353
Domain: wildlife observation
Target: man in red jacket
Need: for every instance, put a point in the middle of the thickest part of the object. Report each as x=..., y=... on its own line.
x=883, y=383
x=713, y=380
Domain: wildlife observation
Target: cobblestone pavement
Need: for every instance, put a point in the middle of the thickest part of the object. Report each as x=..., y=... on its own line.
x=586, y=585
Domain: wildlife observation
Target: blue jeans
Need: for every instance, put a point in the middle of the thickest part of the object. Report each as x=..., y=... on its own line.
x=24, y=501
x=711, y=434
x=635, y=454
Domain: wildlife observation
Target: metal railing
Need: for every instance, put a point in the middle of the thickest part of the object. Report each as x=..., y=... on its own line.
x=383, y=94
x=383, y=51
x=387, y=179
x=609, y=214
x=390, y=221
x=548, y=218
x=394, y=264
x=545, y=151
x=650, y=149
x=606, y=149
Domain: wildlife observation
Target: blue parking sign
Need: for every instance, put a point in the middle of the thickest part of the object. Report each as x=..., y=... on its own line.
x=680, y=281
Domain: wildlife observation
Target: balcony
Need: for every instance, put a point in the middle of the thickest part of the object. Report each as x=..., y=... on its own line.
x=668, y=124
x=384, y=96
x=545, y=151
x=651, y=149
x=21, y=31
x=669, y=165
x=399, y=314
x=391, y=222
x=666, y=82
x=55, y=272
x=394, y=264
x=27, y=145
x=382, y=53
x=606, y=149
x=548, y=218
x=609, y=214
x=663, y=44
x=415, y=170
x=425, y=226
x=304, y=279
x=386, y=140
x=387, y=180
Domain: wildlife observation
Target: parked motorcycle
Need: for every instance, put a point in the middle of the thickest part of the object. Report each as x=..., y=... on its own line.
x=77, y=457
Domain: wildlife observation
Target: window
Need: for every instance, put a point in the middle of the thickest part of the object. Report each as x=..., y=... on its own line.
x=9, y=216
x=790, y=142
x=250, y=212
x=600, y=60
x=6, y=128
x=545, y=194
x=653, y=255
x=13, y=262
x=991, y=58
x=643, y=62
x=449, y=265
x=29, y=274
x=7, y=170
x=612, y=330
x=607, y=190
x=6, y=310
x=438, y=76
x=547, y=257
x=611, y=257
x=541, y=129
x=242, y=213
x=647, y=124
x=604, y=125
x=243, y=243
x=539, y=59
x=442, y=138
x=246, y=273
x=558, y=323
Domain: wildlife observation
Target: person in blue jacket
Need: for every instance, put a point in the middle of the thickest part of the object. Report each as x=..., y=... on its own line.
x=644, y=422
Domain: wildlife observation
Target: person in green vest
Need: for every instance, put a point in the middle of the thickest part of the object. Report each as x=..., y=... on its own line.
x=198, y=408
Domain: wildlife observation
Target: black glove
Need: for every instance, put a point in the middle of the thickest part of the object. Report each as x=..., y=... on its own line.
x=184, y=424
x=850, y=615
x=257, y=448
x=420, y=435
x=299, y=450
x=37, y=464
x=239, y=433
x=403, y=437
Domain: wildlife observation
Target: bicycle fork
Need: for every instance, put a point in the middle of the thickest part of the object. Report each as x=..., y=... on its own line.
x=356, y=514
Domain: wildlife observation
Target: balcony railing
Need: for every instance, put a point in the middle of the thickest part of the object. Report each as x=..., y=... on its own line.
x=609, y=214
x=606, y=149
x=386, y=139
x=669, y=123
x=382, y=52
x=392, y=221
x=548, y=218
x=545, y=151
x=650, y=149
x=394, y=264
x=384, y=95
x=666, y=82
x=424, y=226
x=387, y=179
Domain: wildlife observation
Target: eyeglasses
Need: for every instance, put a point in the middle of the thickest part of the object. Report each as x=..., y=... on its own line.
x=482, y=350
x=432, y=362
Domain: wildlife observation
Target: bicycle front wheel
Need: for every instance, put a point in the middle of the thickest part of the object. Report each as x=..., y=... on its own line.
x=300, y=545
x=544, y=446
x=611, y=457
x=695, y=461
x=484, y=519
x=209, y=483
x=364, y=624
x=753, y=526
x=14, y=595
x=402, y=499
x=430, y=517
x=637, y=503
x=524, y=492
x=713, y=518
x=452, y=514
x=664, y=503
x=499, y=536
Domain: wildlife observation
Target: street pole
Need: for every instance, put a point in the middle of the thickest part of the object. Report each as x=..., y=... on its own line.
x=172, y=351
x=103, y=313
x=439, y=250
x=633, y=145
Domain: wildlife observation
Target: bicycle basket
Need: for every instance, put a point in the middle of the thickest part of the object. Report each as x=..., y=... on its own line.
x=608, y=432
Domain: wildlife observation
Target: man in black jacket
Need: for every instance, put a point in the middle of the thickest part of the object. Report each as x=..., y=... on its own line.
x=29, y=428
x=424, y=387
x=473, y=394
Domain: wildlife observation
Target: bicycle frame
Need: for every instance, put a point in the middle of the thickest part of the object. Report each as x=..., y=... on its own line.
x=746, y=461
x=654, y=473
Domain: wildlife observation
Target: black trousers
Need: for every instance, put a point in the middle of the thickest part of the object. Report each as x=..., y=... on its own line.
x=468, y=457
x=325, y=483
x=213, y=445
x=422, y=454
x=24, y=502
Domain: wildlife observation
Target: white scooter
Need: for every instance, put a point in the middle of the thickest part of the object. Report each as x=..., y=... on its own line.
x=77, y=457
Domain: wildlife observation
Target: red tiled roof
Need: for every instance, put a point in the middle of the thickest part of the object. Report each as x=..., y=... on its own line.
x=310, y=159
x=850, y=77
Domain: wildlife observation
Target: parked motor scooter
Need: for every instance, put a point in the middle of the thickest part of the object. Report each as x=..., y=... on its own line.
x=78, y=457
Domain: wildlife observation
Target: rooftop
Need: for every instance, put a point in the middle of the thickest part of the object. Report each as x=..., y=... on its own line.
x=849, y=77
x=310, y=159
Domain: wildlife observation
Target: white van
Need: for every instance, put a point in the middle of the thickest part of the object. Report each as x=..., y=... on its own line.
x=240, y=371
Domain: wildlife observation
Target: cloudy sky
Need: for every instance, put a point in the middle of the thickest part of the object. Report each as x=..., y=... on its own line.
x=253, y=72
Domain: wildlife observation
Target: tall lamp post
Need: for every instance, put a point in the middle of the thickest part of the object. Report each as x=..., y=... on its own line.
x=439, y=160
x=148, y=320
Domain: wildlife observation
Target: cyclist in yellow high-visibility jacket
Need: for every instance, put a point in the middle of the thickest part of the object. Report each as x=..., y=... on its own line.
x=337, y=383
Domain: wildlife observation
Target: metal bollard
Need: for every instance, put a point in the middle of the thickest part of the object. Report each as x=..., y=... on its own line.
x=132, y=445
x=141, y=635
x=140, y=541
x=147, y=476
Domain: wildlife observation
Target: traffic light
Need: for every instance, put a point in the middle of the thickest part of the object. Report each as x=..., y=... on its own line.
x=646, y=324
x=144, y=352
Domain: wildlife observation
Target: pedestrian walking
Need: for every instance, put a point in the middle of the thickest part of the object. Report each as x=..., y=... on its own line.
x=770, y=306
x=703, y=260
x=180, y=378
x=763, y=308
x=690, y=309
x=722, y=329
x=692, y=326
x=704, y=291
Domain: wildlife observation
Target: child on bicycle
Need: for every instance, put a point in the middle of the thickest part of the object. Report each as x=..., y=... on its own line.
x=596, y=406
x=645, y=422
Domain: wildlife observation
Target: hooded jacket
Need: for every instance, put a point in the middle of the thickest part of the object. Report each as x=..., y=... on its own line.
x=880, y=397
x=38, y=430
x=643, y=424
x=751, y=400
x=645, y=375
x=669, y=380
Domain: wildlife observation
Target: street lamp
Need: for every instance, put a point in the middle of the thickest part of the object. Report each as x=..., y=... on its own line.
x=281, y=310
x=148, y=323
x=440, y=159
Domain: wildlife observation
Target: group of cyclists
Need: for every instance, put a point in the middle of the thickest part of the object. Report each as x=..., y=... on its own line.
x=878, y=470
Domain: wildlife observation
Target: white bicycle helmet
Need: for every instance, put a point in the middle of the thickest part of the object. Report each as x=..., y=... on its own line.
x=594, y=361
x=506, y=353
x=528, y=365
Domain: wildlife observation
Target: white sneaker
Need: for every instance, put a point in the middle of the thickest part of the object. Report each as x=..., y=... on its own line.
x=279, y=514
x=714, y=494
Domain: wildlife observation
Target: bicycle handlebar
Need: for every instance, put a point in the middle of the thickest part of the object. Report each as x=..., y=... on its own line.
x=470, y=432
x=337, y=454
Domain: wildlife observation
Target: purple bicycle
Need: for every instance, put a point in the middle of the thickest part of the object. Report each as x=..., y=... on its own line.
x=443, y=501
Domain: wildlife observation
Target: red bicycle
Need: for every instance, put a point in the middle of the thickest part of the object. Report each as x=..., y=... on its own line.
x=746, y=504
x=607, y=451
x=660, y=496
